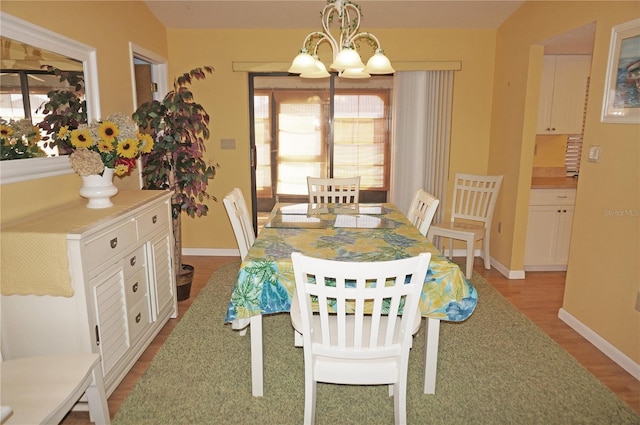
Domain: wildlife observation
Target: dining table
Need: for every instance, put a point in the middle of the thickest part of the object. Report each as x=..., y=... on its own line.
x=368, y=232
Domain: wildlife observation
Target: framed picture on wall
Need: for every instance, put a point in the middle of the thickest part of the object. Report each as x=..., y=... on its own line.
x=622, y=89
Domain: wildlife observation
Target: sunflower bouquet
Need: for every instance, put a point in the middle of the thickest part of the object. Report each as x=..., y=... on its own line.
x=112, y=143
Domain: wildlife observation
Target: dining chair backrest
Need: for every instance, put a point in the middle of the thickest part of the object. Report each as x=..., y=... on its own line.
x=361, y=331
x=422, y=209
x=345, y=190
x=239, y=217
x=474, y=197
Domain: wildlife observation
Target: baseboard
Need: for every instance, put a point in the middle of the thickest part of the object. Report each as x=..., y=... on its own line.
x=505, y=271
x=601, y=344
x=211, y=252
x=545, y=268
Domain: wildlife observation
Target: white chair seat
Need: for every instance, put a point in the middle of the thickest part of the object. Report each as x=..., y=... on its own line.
x=42, y=390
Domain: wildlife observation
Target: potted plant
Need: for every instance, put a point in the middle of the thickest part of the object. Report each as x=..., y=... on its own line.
x=179, y=127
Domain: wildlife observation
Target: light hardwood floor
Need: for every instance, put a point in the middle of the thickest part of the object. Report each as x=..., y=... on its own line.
x=539, y=297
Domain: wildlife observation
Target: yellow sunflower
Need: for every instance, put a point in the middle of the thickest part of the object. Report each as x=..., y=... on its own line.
x=108, y=131
x=121, y=170
x=81, y=138
x=5, y=131
x=145, y=142
x=104, y=146
x=63, y=133
x=127, y=148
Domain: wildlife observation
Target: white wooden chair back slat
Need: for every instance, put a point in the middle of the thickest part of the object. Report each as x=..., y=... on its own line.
x=333, y=190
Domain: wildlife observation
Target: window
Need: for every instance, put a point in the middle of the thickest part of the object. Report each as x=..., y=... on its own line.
x=325, y=129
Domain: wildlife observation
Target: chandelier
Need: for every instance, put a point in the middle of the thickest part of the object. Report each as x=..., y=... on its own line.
x=346, y=60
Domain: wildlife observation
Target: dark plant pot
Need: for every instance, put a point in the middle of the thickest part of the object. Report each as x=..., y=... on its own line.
x=183, y=282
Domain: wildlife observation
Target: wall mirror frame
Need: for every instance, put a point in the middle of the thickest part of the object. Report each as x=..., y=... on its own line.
x=23, y=31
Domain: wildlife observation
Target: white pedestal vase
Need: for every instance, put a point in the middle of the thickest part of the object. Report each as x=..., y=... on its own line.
x=98, y=189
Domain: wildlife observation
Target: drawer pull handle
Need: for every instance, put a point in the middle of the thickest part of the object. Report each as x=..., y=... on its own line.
x=562, y=197
x=559, y=211
x=113, y=242
x=154, y=219
x=97, y=336
x=138, y=317
x=132, y=261
x=135, y=287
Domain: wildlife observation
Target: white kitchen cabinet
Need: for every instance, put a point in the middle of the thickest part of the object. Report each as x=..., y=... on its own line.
x=563, y=94
x=549, y=229
x=120, y=265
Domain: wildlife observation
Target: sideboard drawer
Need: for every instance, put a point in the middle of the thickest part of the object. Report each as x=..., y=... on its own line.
x=136, y=288
x=139, y=318
x=134, y=262
x=110, y=243
x=156, y=218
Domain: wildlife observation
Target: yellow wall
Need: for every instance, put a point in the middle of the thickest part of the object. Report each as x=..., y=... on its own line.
x=603, y=275
x=109, y=27
x=225, y=97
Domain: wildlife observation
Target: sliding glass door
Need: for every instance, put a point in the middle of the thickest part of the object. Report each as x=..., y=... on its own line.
x=328, y=128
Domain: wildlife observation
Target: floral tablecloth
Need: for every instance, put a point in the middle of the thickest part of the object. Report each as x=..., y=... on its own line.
x=265, y=282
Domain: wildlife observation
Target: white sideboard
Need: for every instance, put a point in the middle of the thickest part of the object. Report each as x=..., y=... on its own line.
x=120, y=266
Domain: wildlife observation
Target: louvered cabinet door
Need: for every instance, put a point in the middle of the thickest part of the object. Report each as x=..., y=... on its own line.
x=110, y=323
x=162, y=275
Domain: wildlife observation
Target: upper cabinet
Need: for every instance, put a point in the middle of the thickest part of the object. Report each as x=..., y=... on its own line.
x=563, y=94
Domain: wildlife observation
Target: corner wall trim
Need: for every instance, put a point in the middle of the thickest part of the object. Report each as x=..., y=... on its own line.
x=601, y=344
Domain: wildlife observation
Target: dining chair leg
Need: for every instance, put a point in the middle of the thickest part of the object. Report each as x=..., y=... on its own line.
x=432, y=337
x=470, y=256
x=257, y=361
x=97, y=398
x=485, y=251
x=241, y=325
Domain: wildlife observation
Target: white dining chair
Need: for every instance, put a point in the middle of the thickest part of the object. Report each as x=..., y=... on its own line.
x=422, y=209
x=344, y=190
x=366, y=341
x=474, y=200
x=245, y=237
x=240, y=222
x=43, y=389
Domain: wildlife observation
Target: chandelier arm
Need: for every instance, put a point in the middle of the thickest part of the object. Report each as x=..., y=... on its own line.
x=370, y=36
x=347, y=31
x=320, y=38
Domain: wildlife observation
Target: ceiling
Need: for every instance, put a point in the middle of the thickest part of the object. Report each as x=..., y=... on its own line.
x=472, y=14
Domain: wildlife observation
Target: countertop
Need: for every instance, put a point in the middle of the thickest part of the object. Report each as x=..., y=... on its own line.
x=554, y=183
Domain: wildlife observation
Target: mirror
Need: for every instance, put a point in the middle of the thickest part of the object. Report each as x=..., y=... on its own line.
x=43, y=40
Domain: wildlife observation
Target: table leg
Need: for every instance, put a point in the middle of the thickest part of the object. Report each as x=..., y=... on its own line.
x=257, y=369
x=431, y=340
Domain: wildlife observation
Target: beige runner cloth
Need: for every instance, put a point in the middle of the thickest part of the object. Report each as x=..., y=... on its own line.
x=33, y=251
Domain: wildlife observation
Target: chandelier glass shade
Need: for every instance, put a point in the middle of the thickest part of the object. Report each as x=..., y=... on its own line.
x=346, y=59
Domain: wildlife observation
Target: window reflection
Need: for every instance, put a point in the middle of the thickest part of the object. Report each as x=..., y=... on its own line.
x=25, y=84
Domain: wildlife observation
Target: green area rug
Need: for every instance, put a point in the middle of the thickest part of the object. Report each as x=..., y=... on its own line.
x=495, y=368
